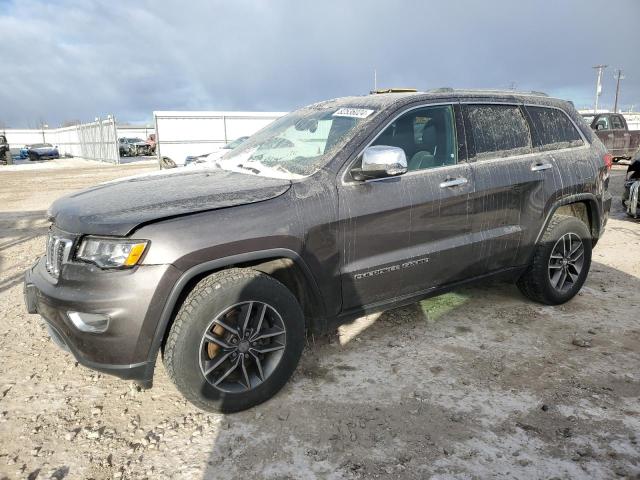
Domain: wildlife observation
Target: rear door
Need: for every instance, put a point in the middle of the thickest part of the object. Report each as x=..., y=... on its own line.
x=512, y=184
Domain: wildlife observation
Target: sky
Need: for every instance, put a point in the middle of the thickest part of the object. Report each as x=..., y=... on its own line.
x=67, y=60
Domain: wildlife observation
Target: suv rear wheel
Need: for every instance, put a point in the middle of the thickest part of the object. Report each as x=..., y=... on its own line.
x=236, y=340
x=560, y=263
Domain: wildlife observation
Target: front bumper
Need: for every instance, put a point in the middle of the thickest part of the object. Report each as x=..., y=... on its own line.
x=133, y=299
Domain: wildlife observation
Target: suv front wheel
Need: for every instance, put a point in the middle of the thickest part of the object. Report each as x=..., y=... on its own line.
x=560, y=263
x=235, y=341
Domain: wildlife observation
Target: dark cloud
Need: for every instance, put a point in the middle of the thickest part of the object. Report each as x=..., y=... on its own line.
x=73, y=59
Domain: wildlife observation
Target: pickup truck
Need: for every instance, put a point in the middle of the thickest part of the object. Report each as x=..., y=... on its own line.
x=612, y=130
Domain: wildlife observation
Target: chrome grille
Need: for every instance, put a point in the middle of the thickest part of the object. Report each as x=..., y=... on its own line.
x=58, y=249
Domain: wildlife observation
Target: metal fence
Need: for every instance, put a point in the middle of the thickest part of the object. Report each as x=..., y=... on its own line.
x=99, y=140
x=96, y=140
x=179, y=134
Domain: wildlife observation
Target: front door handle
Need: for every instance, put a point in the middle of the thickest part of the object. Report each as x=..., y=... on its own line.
x=454, y=182
x=538, y=167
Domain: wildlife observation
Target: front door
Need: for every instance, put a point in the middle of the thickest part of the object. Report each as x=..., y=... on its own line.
x=620, y=136
x=375, y=224
x=406, y=234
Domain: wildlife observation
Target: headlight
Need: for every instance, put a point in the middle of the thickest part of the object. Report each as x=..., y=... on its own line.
x=111, y=252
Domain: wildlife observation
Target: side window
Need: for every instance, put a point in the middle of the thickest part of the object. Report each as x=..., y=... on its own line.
x=602, y=123
x=427, y=136
x=498, y=130
x=553, y=128
x=616, y=123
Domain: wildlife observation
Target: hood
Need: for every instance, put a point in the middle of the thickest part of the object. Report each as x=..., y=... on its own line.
x=117, y=207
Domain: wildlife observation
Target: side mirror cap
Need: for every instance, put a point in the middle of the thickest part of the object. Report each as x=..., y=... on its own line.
x=381, y=161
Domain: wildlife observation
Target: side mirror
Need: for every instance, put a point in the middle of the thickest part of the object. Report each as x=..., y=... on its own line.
x=600, y=126
x=381, y=161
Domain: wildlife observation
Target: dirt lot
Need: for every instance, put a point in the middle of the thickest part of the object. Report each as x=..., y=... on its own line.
x=478, y=383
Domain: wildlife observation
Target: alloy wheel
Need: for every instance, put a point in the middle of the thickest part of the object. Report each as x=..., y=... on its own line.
x=566, y=262
x=242, y=346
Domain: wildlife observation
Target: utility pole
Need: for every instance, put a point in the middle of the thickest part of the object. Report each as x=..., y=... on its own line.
x=619, y=76
x=600, y=68
x=375, y=80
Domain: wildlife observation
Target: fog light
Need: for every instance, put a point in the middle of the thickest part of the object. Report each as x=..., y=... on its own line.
x=89, y=322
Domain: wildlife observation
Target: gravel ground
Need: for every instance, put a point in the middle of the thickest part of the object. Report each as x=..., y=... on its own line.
x=477, y=383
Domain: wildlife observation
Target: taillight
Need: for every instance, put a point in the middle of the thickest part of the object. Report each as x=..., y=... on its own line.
x=608, y=160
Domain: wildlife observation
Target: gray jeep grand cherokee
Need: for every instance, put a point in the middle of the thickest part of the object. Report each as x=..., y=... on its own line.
x=337, y=209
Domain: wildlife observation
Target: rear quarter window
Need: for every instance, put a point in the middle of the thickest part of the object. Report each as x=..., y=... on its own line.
x=554, y=130
x=498, y=131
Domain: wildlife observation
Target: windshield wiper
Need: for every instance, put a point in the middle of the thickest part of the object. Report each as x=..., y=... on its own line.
x=251, y=169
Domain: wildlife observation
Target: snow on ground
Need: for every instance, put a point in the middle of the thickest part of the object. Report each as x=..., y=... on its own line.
x=74, y=162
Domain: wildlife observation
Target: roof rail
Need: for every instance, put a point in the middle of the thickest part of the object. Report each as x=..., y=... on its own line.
x=441, y=90
x=392, y=90
x=488, y=90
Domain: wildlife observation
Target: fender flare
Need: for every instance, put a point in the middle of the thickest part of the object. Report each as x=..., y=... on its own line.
x=217, y=264
x=596, y=214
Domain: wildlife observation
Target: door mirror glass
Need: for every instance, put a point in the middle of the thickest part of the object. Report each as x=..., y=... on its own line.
x=380, y=161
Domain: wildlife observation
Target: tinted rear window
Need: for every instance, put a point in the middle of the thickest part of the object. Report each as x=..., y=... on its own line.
x=498, y=130
x=553, y=128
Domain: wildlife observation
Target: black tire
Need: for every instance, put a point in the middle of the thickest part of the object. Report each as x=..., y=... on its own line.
x=212, y=296
x=536, y=283
x=166, y=162
x=33, y=157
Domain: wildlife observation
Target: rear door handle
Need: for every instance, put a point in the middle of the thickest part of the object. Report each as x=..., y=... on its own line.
x=454, y=182
x=538, y=167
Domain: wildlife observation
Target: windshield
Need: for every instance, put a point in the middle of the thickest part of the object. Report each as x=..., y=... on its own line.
x=136, y=140
x=298, y=144
x=588, y=118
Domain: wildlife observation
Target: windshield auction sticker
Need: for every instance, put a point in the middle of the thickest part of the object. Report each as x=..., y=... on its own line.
x=353, y=112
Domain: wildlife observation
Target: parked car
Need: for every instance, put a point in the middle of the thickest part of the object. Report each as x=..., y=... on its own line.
x=24, y=152
x=213, y=156
x=630, y=195
x=345, y=207
x=612, y=130
x=132, y=147
x=41, y=151
x=5, y=152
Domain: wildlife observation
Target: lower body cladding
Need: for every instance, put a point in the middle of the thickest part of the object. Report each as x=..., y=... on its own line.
x=106, y=319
